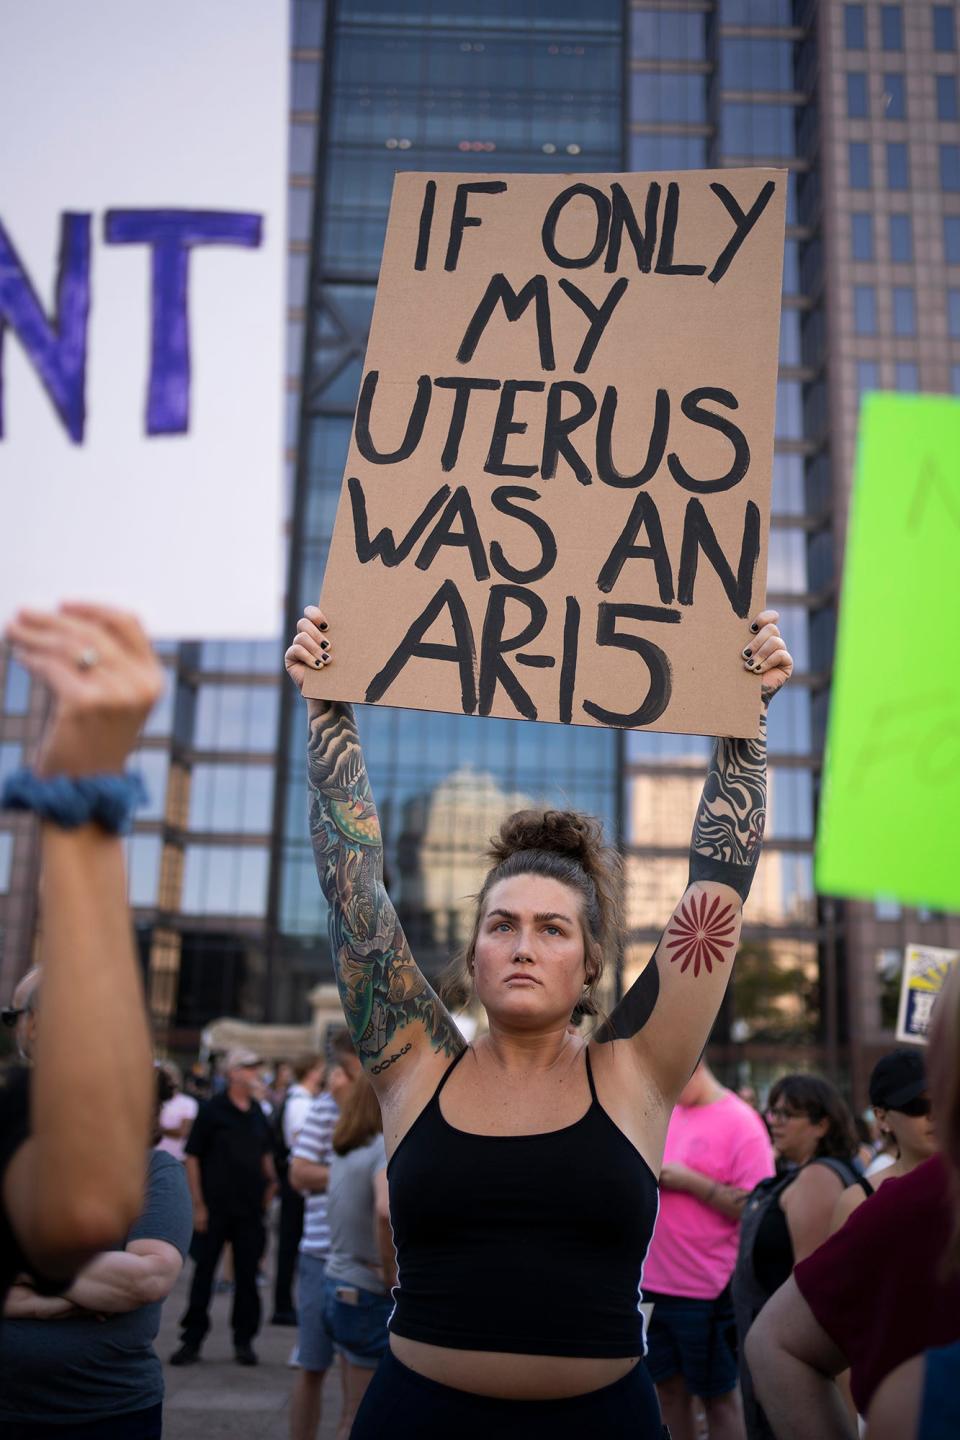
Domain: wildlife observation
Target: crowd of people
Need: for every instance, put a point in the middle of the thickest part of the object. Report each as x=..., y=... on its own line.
x=461, y=1230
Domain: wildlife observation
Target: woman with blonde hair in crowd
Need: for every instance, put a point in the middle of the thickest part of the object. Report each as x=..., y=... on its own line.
x=361, y=1269
x=523, y=1167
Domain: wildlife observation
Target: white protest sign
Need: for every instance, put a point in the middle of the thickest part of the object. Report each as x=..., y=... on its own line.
x=925, y=969
x=142, y=290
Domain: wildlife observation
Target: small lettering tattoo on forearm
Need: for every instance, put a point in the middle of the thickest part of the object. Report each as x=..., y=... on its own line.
x=397, y=1054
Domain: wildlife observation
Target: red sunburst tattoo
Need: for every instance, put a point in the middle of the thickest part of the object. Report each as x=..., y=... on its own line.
x=700, y=932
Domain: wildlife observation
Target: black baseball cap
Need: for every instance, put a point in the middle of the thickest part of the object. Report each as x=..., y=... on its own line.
x=897, y=1079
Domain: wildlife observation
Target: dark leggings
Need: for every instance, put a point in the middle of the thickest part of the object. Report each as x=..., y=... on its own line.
x=407, y=1406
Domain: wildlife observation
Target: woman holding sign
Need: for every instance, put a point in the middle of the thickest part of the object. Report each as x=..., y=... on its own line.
x=523, y=1189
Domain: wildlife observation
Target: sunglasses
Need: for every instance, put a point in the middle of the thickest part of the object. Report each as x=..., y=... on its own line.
x=916, y=1109
x=9, y=1015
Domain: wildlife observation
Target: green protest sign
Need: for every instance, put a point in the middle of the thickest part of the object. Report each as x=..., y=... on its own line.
x=891, y=794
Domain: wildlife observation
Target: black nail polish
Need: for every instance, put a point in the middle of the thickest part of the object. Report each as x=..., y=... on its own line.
x=747, y=654
x=323, y=624
x=324, y=644
x=754, y=628
x=318, y=663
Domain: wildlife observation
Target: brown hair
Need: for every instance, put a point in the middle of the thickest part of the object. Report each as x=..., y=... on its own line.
x=303, y=1064
x=339, y=1044
x=360, y=1120
x=816, y=1098
x=563, y=845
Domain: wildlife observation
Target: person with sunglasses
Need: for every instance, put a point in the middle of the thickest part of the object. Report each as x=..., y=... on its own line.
x=898, y=1094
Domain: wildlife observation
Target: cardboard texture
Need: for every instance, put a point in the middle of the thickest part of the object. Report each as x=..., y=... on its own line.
x=925, y=971
x=891, y=790
x=557, y=363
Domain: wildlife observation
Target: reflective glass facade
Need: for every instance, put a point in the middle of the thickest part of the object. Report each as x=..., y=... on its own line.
x=459, y=87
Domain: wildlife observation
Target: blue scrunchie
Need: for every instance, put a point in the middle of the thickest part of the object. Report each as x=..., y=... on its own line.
x=106, y=800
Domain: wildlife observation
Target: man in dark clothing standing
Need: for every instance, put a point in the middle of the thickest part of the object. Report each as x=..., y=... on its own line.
x=230, y=1169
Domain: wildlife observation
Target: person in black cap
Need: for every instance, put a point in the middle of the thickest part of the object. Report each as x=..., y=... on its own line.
x=898, y=1094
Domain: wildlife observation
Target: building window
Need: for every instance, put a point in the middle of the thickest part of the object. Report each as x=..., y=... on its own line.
x=953, y=329
x=865, y=309
x=225, y=880
x=857, y=106
x=11, y=758
x=955, y=379
x=665, y=97
x=950, y=167
x=901, y=239
x=947, y=108
x=144, y=853
x=6, y=861
x=891, y=27
x=868, y=376
x=898, y=166
x=894, y=97
x=231, y=798
x=855, y=27
x=668, y=35
x=859, y=164
x=904, y=311
x=944, y=28
x=951, y=239
x=667, y=152
x=758, y=129
x=861, y=237
x=236, y=717
x=790, y=353
x=756, y=64
x=906, y=377
x=16, y=689
x=789, y=410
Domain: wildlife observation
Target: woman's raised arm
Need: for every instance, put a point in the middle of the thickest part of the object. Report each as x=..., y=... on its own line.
x=669, y=1012
x=394, y=1017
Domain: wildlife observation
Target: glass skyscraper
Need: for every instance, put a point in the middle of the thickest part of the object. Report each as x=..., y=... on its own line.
x=859, y=103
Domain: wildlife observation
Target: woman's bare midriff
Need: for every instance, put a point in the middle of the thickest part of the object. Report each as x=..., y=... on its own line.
x=509, y=1377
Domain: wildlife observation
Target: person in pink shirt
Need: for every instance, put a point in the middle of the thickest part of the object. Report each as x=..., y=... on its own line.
x=717, y=1150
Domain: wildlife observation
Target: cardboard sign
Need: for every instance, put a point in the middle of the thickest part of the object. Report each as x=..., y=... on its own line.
x=142, y=302
x=555, y=503
x=925, y=970
x=887, y=825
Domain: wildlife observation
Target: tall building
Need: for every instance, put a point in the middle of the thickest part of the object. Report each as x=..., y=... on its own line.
x=860, y=103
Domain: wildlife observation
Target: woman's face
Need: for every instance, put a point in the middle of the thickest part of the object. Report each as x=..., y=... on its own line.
x=795, y=1135
x=529, y=959
x=914, y=1134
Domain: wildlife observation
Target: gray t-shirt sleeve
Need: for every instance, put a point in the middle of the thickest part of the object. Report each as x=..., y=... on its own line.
x=167, y=1213
x=378, y=1156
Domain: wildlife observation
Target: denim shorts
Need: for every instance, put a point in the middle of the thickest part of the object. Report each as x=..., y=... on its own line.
x=314, y=1342
x=358, y=1331
x=695, y=1339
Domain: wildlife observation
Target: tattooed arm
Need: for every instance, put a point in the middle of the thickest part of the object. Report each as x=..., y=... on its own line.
x=393, y=1015
x=668, y=1013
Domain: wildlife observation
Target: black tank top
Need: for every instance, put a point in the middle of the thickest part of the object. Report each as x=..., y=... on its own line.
x=529, y=1244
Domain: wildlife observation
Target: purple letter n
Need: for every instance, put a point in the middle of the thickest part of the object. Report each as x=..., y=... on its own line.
x=171, y=233
x=57, y=350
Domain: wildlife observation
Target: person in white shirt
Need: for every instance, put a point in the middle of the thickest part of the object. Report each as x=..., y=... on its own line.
x=308, y=1071
x=176, y=1115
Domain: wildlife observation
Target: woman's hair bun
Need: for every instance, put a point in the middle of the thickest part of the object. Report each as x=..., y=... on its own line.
x=558, y=832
